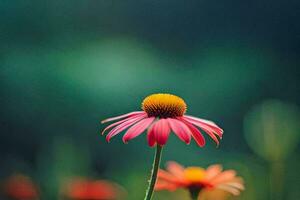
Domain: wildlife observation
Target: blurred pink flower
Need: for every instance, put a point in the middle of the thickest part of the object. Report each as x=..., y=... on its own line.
x=161, y=114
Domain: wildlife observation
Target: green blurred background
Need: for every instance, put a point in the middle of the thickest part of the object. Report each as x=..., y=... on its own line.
x=66, y=65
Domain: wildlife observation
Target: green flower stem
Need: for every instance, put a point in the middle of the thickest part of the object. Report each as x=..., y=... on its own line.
x=277, y=180
x=155, y=167
x=194, y=197
x=194, y=192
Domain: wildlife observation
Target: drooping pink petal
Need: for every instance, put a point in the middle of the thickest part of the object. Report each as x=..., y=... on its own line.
x=207, y=123
x=207, y=128
x=197, y=135
x=123, y=126
x=175, y=169
x=219, y=134
x=161, y=131
x=212, y=135
x=120, y=122
x=201, y=120
x=180, y=129
x=151, y=136
x=123, y=116
x=203, y=127
x=137, y=129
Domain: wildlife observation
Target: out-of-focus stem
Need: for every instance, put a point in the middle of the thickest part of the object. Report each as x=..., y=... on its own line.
x=276, y=180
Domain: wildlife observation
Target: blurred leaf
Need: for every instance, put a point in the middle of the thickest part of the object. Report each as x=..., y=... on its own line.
x=272, y=129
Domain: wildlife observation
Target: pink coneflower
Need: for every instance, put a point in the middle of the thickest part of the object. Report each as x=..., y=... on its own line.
x=163, y=113
x=196, y=179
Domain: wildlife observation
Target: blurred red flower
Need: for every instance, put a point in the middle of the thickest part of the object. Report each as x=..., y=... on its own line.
x=84, y=189
x=20, y=187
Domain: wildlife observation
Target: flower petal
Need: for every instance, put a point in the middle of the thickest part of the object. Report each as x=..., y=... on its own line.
x=208, y=131
x=123, y=126
x=175, y=169
x=166, y=176
x=180, y=129
x=161, y=185
x=219, y=134
x=123, y=116
x=168, y=180
x=207, y=123
x=120, y=122
x=151, y=137
x=224, y=177
x=212, y=171
x=197, y=135
x=137, y=129
x=201, y=120
x=161, y=131
x=229, y=189
x=236, y=185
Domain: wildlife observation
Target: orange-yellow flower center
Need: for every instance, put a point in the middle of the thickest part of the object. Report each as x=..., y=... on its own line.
x=164, y=105
x=194, y=174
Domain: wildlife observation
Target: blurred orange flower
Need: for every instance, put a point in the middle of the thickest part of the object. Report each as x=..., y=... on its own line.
x=20, y=187
x=84, y=189
x=196, y=179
